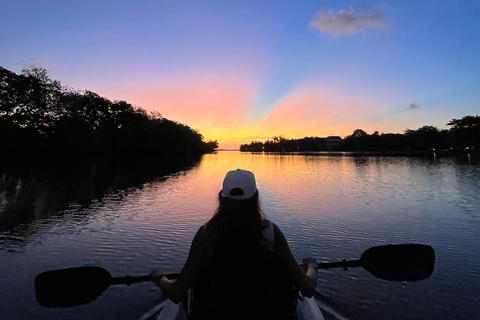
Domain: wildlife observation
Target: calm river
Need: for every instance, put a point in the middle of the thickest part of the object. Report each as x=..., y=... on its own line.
x=328, y=206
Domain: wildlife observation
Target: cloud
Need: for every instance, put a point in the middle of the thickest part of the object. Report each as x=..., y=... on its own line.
x=344, y=22
x=413, y=106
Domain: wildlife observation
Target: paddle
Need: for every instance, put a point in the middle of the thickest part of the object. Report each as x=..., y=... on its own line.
x=403, y=262
x=74, y=286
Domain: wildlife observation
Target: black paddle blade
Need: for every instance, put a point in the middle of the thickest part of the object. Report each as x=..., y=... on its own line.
x=70, y=287
x=404, y=262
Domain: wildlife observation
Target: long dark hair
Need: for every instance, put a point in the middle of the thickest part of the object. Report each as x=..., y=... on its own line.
x=237, y=223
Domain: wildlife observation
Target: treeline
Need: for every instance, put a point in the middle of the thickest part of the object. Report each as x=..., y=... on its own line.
x=41, y=118
x=281, y=144
x=462, y=136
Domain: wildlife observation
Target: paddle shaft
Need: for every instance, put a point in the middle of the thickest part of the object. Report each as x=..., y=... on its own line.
x=128, y=280
x=340, y=264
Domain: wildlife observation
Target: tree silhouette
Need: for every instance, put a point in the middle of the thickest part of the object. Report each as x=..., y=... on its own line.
x=40, y=118
x=465, y=132
x=464, y=135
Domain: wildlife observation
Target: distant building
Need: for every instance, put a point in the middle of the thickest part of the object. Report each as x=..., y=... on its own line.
x=333, y=142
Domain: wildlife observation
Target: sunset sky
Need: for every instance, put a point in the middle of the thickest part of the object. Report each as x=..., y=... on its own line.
x=249, y=70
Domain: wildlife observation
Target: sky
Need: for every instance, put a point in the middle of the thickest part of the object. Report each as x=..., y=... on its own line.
x=247, y=70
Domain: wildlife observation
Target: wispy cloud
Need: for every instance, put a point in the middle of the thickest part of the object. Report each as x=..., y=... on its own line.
x=413, y=106
x=345, y=22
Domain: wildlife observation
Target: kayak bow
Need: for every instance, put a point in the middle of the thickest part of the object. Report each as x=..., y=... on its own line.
x=307, y=309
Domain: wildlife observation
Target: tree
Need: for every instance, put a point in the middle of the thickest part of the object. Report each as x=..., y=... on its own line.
x=465, y=132
x=210, y=146
x=38, y=106
x=30, y=100
x=426, y=138
x=467, y=122
x=359, y=133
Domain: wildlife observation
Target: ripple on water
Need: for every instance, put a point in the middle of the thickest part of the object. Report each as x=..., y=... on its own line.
x=328, y=208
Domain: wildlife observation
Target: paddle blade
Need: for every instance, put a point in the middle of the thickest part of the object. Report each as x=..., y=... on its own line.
x=70, y=287
x=404, y=262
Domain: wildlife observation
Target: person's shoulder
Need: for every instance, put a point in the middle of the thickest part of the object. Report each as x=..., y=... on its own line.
x=266, y=223
x=207, y=231
x=279, y=236
x=269, y=224
x=201, y=233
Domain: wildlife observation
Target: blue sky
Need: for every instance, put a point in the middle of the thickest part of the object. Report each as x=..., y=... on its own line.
x=248, y=70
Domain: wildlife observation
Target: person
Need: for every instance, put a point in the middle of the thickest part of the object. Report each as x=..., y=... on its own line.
x=240, y=265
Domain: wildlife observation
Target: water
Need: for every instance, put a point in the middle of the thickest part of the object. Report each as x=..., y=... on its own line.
x=329, y=207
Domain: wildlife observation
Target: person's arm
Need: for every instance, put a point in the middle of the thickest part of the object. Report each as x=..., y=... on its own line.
x=176, y=290
x=304, y=280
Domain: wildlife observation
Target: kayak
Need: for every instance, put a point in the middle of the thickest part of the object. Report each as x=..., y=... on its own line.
x=307, y=309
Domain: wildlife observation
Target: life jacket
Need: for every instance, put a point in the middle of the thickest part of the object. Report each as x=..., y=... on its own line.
x=248, y=285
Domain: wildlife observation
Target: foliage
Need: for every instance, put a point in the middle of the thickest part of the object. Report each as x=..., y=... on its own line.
x=281, y=144
x=464, y=134
x=212, y=145
x=39, y=117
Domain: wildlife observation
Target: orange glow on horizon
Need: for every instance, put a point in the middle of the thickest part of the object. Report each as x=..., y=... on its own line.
x=221, y=108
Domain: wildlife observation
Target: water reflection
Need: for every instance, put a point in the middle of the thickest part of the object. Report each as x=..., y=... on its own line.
x=29, y=192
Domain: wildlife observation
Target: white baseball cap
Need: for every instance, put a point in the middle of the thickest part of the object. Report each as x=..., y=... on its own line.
x=242, y=182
